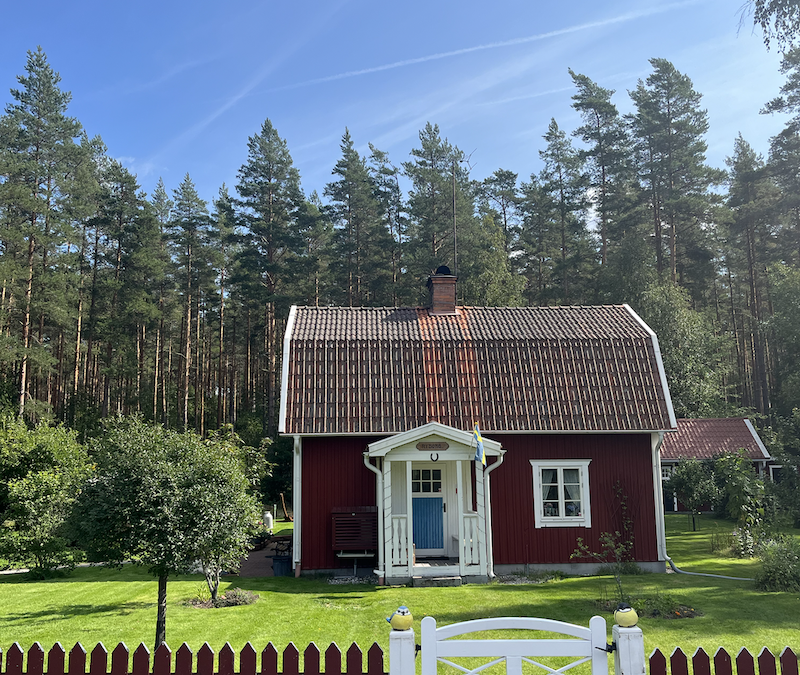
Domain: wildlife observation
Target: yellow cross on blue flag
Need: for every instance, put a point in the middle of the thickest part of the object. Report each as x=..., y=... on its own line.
x=480, y=453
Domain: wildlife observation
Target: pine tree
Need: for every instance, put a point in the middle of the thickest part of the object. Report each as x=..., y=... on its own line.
x=269, y=199
x=39, y=154
x=607, y=155
x=669, y=127
x=362, y=244
x=564, y=181
x=189, y=225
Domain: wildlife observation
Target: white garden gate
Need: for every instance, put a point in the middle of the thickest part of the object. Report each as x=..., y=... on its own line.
x=584, y=645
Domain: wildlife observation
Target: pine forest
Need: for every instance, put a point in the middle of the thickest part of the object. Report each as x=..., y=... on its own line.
x=172, y=305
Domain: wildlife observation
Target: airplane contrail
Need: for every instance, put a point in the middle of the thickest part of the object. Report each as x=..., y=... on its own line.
x=493, y=45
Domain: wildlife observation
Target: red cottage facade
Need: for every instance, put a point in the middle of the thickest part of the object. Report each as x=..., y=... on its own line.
x=571, y=402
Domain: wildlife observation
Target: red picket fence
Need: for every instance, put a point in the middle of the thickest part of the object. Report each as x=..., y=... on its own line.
x=185, y=663
x=700, y=664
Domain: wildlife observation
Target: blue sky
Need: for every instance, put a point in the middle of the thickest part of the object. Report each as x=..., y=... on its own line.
x=177, y=87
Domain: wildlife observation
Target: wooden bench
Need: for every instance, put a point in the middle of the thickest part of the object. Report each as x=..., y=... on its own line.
x=354, y=532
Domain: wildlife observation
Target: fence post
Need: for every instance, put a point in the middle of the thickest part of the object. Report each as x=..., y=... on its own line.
x=629, y=654
x=402, y=651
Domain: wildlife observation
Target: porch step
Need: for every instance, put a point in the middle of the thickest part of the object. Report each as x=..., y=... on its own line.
x=435, y=581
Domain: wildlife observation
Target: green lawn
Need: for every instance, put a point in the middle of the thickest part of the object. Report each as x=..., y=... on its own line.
x=93, y=605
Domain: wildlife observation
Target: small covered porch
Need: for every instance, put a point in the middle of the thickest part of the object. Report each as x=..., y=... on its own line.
x=434, y=515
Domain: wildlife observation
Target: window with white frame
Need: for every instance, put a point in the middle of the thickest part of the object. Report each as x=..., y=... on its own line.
x=561, y=493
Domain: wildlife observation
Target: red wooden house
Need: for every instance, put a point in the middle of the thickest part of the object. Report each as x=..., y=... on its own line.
x=572, y=404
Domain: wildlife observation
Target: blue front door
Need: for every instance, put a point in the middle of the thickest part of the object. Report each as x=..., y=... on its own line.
x=428, y=520
x=429, y=509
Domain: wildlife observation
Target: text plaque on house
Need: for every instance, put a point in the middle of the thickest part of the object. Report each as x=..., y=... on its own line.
x=432, y=446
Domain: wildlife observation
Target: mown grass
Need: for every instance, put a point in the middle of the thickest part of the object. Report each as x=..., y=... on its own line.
x=98, y=605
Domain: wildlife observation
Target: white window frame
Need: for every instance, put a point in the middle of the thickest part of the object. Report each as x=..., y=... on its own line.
x=540, y=520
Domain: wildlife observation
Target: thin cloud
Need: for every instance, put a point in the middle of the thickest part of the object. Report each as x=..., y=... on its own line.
x=193, y=131
x=623, y=18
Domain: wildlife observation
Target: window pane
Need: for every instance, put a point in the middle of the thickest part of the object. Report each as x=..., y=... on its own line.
x=572, y=492
x=549, y=493
x=426, y=487
x=549, y=475
x=415, y=474
x=415, y=487
x=437, y=474
x=437, y=486
x=572, y=476
x=551, y=509
x=572, y=509
x=426, y=474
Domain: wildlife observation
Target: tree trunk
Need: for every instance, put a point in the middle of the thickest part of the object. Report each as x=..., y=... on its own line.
x=26, y=330
x=161, y=619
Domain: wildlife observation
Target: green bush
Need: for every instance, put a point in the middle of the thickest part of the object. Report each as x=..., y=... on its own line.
x=234, y=597
x=780, y=565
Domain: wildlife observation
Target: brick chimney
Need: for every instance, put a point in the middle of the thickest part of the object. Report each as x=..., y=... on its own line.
x=442, y=288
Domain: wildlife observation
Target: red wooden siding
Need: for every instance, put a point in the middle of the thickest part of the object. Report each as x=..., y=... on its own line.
x=615, y=457
x=333, y=475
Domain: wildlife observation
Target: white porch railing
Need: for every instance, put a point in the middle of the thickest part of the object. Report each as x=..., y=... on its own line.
x=469, y=547
x=470, y=550
x=399, y=552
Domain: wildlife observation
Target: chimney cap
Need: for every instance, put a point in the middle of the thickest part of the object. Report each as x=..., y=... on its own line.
x=443, y=269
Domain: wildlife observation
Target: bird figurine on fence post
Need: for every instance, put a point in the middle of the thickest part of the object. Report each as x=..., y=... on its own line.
x=625, y=616
x=401, y=619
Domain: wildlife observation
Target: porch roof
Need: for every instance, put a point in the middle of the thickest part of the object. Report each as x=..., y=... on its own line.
x=515, y=369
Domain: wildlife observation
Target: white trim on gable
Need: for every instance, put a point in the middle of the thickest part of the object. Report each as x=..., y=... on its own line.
x=757, y=438
x=659, y=361
x=440, y=431
x=287, y=338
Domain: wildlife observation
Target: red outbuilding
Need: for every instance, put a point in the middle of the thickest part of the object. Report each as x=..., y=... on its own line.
x=571, y=405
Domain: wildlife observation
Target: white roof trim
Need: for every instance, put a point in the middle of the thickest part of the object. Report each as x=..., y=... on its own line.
x=659, y=362
x=287, y=337
x=757, y=439
x=385, y=445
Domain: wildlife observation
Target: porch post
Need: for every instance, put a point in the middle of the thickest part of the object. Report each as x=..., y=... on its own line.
x=388, y=548
x=479, y=502
x=460, y=502
x=409, y=520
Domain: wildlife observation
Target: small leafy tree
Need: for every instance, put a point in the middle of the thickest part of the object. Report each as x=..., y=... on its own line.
x=40, y=472
x=743, y=489
x=165, y=500
x=693, y=482
x=615, y=551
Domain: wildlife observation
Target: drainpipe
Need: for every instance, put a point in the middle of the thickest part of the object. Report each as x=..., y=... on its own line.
x=297, y=500
x=381, y=572
x=658, y=490
x=488, y=510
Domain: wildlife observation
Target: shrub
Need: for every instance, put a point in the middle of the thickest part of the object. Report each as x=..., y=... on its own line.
x=234, y=597
x=780, y=565
x=743, y=543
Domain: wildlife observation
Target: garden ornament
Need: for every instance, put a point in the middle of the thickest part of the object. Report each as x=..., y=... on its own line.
x=401, y=619
x=625, y=616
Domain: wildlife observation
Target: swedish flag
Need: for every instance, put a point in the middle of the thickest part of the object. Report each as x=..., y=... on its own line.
x=480, y=453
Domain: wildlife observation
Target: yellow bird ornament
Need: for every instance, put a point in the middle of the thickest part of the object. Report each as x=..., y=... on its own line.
x=401, y=619
x=625, y=616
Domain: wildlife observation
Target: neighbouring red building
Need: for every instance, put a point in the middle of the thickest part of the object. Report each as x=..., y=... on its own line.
x=707, y=439
x=381, y=403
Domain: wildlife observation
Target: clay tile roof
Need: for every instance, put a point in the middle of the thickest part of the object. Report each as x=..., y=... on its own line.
x=388, y=370
x=709, y=438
